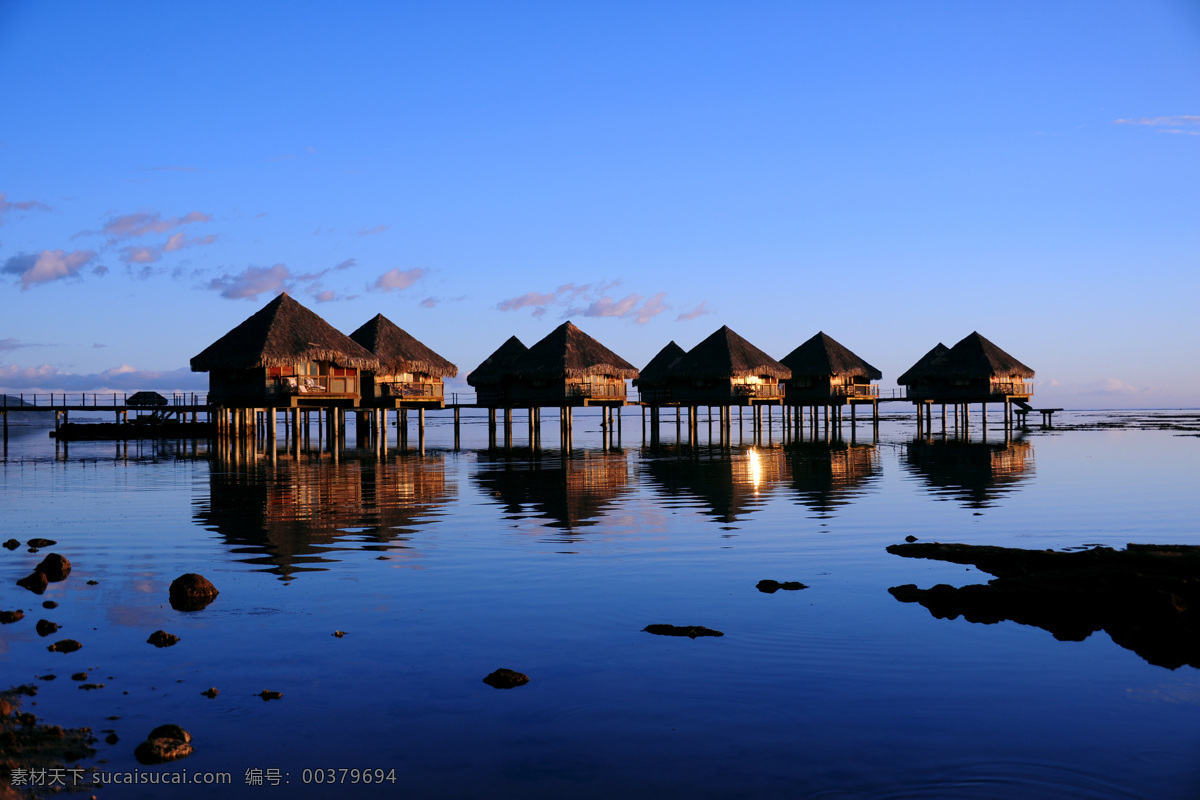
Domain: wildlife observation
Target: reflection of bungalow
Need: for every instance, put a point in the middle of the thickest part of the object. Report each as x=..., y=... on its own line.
x=296, y=516
x=571, y=493
x=728, y=486
x=410, y=374
x=570, y=368
x=726, y=370
x=284, y=356
x=827, y=475
x=973, y=371
x=826, y=373
x=653, y=382
x=493, y=378
x=974, y=473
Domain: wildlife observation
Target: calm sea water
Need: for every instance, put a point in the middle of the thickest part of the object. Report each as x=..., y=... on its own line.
x=443, y=566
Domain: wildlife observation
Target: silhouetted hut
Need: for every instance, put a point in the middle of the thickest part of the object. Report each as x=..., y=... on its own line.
x=653, y=380
x=284, y=356
x=570, y=368
x=493, y=378
x=726, y=370
x=973, y=371
x=410, y=375
x=826, y=373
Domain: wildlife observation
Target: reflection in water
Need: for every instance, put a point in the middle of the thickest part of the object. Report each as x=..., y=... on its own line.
x=729, y=483
x=826, y=475
x=1146, y=597
x=292, y=514
x=570, y=492
x=976, y=474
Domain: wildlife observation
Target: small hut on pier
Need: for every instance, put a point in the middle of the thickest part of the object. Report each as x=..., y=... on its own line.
x=726, y=370
x=570, y=368
x=410, y=375
x=284, y=356
x=973, y=371
x=825, y=373
x=653, y=382
x=493, y=379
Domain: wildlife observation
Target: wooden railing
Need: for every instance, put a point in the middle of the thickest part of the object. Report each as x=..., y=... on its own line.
x=315, y=384
x=77, y=400
x=412, y=390
x=758, y=390
x=595, y=390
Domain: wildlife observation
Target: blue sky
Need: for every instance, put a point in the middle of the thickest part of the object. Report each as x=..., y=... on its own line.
x=893, y=173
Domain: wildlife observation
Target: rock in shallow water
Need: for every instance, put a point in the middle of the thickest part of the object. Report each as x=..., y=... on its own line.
x=165, y=743
x=770, y=587
x=45, y=627
x=64, y=646
x=55, y=567
x=163, y=639
x=506, y=679
x=191, y=592
x=690, y=631
x=9, y=617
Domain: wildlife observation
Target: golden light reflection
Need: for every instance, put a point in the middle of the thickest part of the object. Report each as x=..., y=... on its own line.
x=756, y=468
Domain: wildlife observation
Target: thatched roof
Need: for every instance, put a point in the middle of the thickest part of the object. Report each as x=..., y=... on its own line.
x=499, y=365
x=567, y=352
x=398, y=351
x=283, y=333
x=723, y=355
x=655, y=373
x=976, y=357
x=927, y=365
x=822, y=357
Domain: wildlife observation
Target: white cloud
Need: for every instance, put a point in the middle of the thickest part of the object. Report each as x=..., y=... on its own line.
x=144, y=222
x=252, y=281
x=698, y=311
x=398, y=280
x=1187, y=124
x=49, y=265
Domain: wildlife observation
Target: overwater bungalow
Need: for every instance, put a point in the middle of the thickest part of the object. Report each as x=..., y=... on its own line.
x=410, y=375
x=284, y=356
x=653, y=381
x=973, y=371
x=825, y=373
x=570, y=368
x=493, y=379
x=726, y=370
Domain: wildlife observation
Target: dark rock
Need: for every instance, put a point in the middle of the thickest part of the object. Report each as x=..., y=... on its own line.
x=112, y=738
x=35, y=582
x=162, y=639
x=45, y=627
x=170, y=732
x=161, y=749
x=7, y=617
x=93, y=583
x=191, y=592
x=339, y=634
x=690, y=631
x=28, y=689
x=210, y=692
x=41, y=543
x=55, y=567
x=268, y=695
x=771, y=587
x=506, y=679
x=49, y=677
x=64, y=646
x=79, y=676
x=90, y=686
x=910, y=538
x=1146, y=597
x=12, y=544
x=49, y=604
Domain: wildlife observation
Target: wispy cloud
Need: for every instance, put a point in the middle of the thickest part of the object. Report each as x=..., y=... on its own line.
x=1187, y=124
x=20, y=205
x=252, y=281
x=49, y=265
x=125, y=377
x=429, y=302
x=131, y=226
x=397, y=280
x=589, y=300
x=375, y=231
x=148, y=254
x=170, y=169
x=698, y=311
x=7, y=345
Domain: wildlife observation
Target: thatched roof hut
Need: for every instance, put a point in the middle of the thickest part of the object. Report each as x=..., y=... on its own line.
x=928, y=365
x=567, y=352
x=822, y=357
x=725, y=355
x=499, y=365
x=398, y=352
x=282, y=333
x=976, y=357
x=656, y=372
